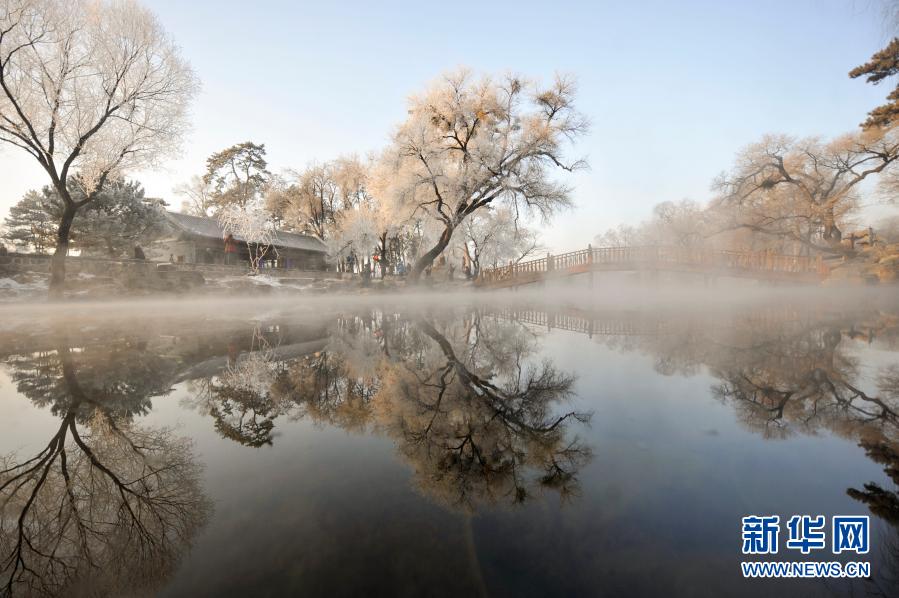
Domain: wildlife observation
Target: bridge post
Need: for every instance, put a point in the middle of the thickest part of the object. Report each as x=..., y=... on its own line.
x=590, y=265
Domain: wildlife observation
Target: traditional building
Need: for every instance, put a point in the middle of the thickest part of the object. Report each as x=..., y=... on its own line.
x=197, y=240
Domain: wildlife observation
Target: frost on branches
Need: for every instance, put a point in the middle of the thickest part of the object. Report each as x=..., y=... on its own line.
x=470, y=144
x=357, y=235
x=253, y=224
x=89, y=88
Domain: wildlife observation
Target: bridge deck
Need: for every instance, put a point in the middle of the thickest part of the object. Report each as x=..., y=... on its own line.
x=757, y=265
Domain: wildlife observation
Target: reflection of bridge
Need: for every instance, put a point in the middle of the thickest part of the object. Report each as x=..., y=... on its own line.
x=744, y=264
x=764, y=320
x=575, y=320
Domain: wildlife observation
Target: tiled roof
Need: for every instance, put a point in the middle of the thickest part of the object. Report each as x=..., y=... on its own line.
x=210, y=228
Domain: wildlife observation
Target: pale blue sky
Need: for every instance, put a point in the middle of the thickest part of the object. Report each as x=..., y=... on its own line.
x=672, y=89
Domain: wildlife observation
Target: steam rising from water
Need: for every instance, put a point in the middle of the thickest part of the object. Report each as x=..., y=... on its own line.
x=618, y=297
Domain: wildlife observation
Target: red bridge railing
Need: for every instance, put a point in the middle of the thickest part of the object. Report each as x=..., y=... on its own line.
x=658, y=258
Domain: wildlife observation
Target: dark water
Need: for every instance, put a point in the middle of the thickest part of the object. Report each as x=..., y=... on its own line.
x=502, y=450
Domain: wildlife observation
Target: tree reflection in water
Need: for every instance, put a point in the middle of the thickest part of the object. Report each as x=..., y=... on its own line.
x=107, y=506
x=467, y=406
x=784, y=371
x=474, y=437
x=810, y=383
x=465, y=398
x=239, y=400
x=790, y=373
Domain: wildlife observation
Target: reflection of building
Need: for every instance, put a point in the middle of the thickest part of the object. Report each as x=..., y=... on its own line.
x=197, y=240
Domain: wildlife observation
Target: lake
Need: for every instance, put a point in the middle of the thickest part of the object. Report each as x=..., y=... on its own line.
x=520, y=445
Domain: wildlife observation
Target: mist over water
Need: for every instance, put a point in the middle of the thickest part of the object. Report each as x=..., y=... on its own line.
x=516, y=443
x=406, y=344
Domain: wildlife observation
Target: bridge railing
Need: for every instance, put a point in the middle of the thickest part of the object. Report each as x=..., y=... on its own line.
x=654, y=257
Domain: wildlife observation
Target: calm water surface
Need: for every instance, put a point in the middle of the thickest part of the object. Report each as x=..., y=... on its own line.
x=502, y=450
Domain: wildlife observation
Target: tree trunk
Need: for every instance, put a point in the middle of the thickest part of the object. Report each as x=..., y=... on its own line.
x=428, y=258
x=58, y=261
x=831, y=233
x=474, y=261
x=383, y=262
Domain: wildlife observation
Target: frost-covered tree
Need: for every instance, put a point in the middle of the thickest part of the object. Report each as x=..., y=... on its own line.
x=312, y=201
x=683, y=223
x=332, y=201
x=357, y=235
x=198, y=197
x=365, y=225
x=472, y=143
x=237, y=175
x=623, y=235
x=93, y=87
x=803, y=190
x=251, y=223
x=492, y=238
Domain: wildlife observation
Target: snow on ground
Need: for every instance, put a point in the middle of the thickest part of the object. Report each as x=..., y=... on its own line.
x=265, y=279
x=260, y=282
x=26, y=287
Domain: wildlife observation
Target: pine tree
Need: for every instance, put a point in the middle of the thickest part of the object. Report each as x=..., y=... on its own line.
x=883, y=64
x=118, y=218
x=31, y=223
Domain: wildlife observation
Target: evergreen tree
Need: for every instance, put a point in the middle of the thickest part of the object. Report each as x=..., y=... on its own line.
x=118, y=218
x=237, y=175
x=31, y=223
x=883, y=64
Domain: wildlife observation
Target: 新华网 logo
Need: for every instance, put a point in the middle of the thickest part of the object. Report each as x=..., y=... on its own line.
x=806, y=534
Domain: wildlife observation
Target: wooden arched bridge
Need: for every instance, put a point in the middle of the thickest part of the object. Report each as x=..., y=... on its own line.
x=761, y=265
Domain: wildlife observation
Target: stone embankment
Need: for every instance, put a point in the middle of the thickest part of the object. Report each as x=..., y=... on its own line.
x=98, y=277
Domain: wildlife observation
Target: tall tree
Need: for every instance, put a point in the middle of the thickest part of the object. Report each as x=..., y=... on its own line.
x=801, y=190
x=310, y=202
x=364, y=224
x=470, y=143
x=93, y=87
x=237, y=175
